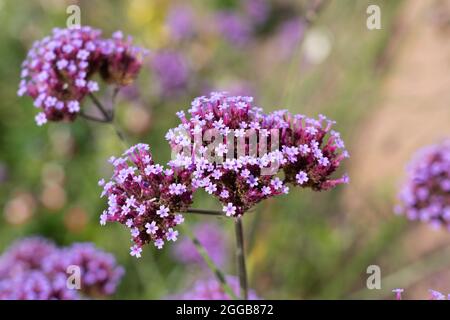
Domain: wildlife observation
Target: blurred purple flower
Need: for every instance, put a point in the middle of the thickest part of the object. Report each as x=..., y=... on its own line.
x=235, y=28
x=434, y=295
x=425, y=194
x=99, y=271
x=171, y=71
x=211, y=290
x=212, y=238
x=35, y=269
x=289, y=35
x=25, y=255
x=180, y=21
x=257, y=10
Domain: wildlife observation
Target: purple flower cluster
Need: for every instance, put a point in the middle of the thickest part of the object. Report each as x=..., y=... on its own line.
x=35, y=269
x=121, y=60
x=171, y=72
x=211, y=290
x=211, y=237
x=242, y=179
x=289, y=35
x=235, y=28
x=100, y=275
x=425, y=195
x=310, y=150
x=436, y=295
x=240, y=25
x=57, y=73
x=146, y=198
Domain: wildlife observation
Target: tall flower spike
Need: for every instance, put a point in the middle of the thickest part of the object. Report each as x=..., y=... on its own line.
x=57, y=73
x=146, y=198
x=425, y=195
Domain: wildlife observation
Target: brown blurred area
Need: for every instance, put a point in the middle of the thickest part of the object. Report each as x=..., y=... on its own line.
x=413, y=110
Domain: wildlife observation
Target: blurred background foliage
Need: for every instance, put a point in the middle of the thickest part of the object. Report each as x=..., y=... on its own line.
x=304, y=245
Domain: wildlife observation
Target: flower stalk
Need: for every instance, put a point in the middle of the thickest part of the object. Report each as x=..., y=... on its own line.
x=240, y=254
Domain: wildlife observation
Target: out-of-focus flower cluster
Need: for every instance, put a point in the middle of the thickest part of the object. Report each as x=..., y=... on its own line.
x=146, y=197
x=36, y=269
x=238, y=26
x=425, y=195
x=238, y=168
x=211, y=237
x=434, y=295
x=57, y=73
x=211, y=289
x=171, y=72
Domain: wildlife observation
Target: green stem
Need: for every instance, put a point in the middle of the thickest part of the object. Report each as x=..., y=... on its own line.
x=92, y=118
x=240, y=254
x=100, y=107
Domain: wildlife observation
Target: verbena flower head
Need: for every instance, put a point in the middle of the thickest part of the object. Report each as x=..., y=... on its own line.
x=121, y=60
x=100, y=274
x=171, y=72
x=57, y=70
x=250, y=150
x=146, y=198
x=425, y=194
x=25, y=255
x=35, y=269
x=211, y=289
x=311, y=150
x=57, y=73
x=211, y=237
x=230, y=171
x=36, y=285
